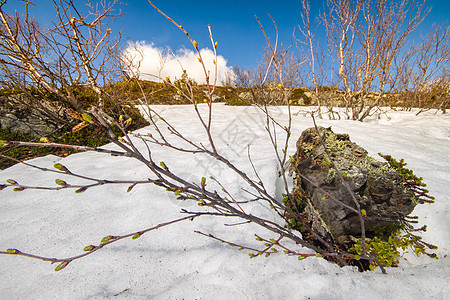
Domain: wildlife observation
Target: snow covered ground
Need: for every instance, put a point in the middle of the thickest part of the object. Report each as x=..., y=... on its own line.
x=175, y=263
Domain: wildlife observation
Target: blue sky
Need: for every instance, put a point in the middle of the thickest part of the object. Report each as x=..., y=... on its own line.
x=233, y=23
x=234, y=26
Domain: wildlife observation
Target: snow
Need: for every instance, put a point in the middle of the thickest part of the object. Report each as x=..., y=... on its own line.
x=175, y=263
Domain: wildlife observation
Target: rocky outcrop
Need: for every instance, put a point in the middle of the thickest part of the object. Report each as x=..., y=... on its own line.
x=375, y=185
x=31, y=116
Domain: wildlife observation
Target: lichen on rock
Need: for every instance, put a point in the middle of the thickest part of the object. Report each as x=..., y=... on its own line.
x=376, y=185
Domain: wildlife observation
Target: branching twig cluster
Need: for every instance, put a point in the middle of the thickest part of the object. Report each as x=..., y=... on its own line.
x=213, y=203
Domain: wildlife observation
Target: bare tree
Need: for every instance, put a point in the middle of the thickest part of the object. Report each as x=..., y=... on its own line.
x=367, y=37
x=230, y=79
x=308, y=41
x=163, y=57
x=423, y=71
x=74, y=51
x=382, y=35
x=243, y=77
x=339, y=20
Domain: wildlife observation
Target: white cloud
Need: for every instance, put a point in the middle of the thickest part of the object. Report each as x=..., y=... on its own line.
x=152, y=62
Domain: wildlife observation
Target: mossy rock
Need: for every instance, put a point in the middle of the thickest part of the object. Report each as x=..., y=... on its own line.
x=377, y=187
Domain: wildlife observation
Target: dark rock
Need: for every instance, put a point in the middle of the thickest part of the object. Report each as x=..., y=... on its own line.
x=38, y=117
x=375, y=185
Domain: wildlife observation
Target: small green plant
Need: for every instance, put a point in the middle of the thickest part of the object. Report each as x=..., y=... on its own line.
x=297, y=198
x=410, y=180
x=387, y=250
x=386, y=241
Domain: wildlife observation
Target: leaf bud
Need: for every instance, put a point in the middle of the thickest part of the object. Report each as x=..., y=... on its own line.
x=61, y=266
x=130, y=187
x=12, y=181
x=60, y=182
x=195, y=44
x=45, y=139
x=81, y=190
x=89, y=248
x=107, y=239
x=128, y=122
x=163, y=165
x=137, y=235
x=60, y=167
x=12, y=251
x=4, y=143
x=203, y=182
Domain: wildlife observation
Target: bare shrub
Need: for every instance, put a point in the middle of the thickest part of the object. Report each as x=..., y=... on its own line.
x=210, y=193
